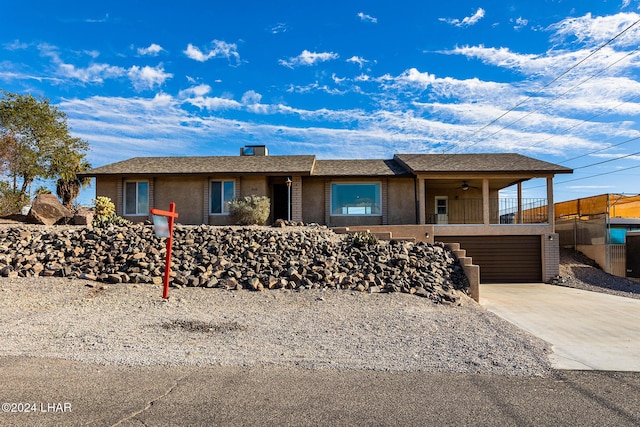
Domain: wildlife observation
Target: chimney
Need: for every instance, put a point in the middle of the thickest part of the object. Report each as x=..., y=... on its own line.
x=254, y=150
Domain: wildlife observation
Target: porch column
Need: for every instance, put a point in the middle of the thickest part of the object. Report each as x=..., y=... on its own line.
x=519, y=217
x=486, y=213
x=420, y=200
x=550, y=208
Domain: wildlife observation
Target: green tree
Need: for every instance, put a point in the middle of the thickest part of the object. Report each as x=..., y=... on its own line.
x=36, y=142
x=66, y=166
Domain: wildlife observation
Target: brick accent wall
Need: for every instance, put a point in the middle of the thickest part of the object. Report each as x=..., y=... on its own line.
x=550, y=256
x=152, y=196
x=120, y=197
x=296, y=198
x=327, y=202
x=206, y=202
x=385, y=201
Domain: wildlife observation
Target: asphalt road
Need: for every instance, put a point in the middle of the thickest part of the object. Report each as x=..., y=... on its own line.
x=60, y=392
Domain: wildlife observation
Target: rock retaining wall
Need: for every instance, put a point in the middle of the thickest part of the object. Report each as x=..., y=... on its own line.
x=254, y=258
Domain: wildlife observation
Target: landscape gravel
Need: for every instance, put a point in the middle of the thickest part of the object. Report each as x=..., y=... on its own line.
x=130, y=324
x=580, y=272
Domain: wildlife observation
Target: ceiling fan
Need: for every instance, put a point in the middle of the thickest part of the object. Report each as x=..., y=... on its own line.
x=465, y=186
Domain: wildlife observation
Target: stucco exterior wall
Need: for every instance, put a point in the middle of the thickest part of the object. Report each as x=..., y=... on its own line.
x=185, y=192
x=598, y=253
x=401, y=204
x=253, y=186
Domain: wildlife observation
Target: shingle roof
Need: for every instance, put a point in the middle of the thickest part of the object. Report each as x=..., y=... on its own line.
x=208, y=165
x=400, y=165
x=494, y=162
x=358, y=168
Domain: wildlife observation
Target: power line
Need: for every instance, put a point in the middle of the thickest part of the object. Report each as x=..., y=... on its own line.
x=587, y=177
x=598, y=151
x=607, y=161
x=560, y=95
x=602, y=46
x=597, y=175
x=582, y=122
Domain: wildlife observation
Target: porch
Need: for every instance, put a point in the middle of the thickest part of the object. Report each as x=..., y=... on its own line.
x=476, y=206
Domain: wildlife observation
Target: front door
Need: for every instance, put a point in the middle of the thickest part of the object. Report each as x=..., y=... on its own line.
x=280, y=201
x=442, y=209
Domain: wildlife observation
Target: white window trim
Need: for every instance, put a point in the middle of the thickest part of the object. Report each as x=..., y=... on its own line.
x=124, y=204
x=379, y=183
x=445, y=219
x=210, y=195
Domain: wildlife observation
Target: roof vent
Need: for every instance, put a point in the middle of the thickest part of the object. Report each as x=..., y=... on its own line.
x=254, y=150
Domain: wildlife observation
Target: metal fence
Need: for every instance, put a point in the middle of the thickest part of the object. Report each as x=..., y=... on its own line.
x=592, y=231
x=617, y=260
x=501, y=211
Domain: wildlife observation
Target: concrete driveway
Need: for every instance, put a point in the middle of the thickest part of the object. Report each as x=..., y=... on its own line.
x=588, y=330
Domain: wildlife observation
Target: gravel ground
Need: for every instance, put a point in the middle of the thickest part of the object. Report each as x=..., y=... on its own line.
x=580, y=272
x=132, y=325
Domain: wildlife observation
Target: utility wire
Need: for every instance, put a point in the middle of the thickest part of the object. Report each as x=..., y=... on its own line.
x=602, y=46
x=552, y=100
x=607, y=161
x=587, y=177
x=598, y=151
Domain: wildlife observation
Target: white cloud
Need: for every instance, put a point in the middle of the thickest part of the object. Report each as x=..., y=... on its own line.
x=357, y=60
x=307, y=58
x=251, y=97
x=92, y=53
x=413, y=77
x=94, y=73
x=520, y=23
x=219, y=49
x=367, y=18
x=596, y=30
x=147, y=77
x=279, y=28
x=467, y=21
x=16, y=45
x=152, y=50
x=199, y=90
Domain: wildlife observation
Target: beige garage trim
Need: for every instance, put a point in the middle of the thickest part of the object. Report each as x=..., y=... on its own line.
x=503, y=259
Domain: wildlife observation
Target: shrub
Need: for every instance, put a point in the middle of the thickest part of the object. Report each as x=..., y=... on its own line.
x=104, y=206
x=360, y=240
x=11, y=201
x=105, y=214
x=250, y=210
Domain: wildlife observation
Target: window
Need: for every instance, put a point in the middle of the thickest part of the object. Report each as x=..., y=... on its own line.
x=136, y=198
x=222, y=192
x=355, y=199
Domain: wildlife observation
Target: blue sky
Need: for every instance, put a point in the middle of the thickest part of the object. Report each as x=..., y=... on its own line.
x=347, y=79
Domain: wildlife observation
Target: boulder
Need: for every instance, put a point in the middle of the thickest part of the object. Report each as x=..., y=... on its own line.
x=255, y=259
x=84, y=216
x=46, y=209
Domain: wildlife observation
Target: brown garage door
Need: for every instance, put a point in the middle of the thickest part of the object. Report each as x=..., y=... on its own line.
x=503, y=259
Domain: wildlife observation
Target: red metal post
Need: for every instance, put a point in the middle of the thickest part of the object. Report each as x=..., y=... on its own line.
x=167, y=268
x=171, y=216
